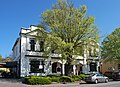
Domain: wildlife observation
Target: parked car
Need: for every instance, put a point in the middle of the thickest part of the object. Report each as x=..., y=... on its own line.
x=109, y=75
x=116, y=76
x=95, y=78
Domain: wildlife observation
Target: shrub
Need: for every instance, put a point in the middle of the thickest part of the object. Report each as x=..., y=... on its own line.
x=2, y=71
x=66, y=79
x=44, y=80
x=76, y=78
x=34, y=80
x=25, y=80
x=82, y=76
x=55, y=79
x=53, y=75
x=108, y=74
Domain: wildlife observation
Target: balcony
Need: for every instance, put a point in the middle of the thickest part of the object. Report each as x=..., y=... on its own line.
x=34, y=53
x=38, y=53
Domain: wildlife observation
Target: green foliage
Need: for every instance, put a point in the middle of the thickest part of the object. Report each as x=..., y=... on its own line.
x=34, y=80
x=66, y=79
x=108, y=74
x=26, y=79
x=7, y=59
x=44, y=80
x=76, y=78
x=82, y=76
x=69, y=30
x=55, y=79
x=53, y=75
x=111, y=46
x=2, y=71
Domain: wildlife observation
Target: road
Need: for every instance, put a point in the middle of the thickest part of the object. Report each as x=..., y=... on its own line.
x=9, y=83
x=109, y=84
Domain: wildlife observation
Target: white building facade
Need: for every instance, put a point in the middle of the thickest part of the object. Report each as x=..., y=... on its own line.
x=28, y=53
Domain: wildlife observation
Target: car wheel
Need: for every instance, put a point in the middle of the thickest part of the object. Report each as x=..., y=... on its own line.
x=96, y=81
x=106, y=80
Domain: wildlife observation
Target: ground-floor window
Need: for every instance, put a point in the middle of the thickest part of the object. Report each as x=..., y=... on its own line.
x=70, y=67
x=80, y=71
x=56, y=67
x=36, y=66
x=93, y=67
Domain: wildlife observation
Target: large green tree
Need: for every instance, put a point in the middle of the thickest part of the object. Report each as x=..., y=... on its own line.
x=68, y=30
x=111, y=47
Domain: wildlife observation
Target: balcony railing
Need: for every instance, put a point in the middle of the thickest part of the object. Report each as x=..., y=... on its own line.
x=34, y=53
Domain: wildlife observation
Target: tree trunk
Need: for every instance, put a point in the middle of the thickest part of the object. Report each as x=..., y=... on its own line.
x=69, y=66
x=69, y=69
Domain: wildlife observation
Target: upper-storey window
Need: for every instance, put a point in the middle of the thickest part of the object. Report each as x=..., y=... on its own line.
x=53, y=51
x=93, y=52
x=41, y=46
x=32, y=44
x=90, y=52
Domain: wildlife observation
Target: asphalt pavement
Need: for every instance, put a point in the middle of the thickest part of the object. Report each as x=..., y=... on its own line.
x=18, y=83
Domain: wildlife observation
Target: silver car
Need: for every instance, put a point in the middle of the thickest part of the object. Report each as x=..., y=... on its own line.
x=96, y=78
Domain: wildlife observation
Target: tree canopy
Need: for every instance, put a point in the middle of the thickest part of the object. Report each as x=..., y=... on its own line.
x=111, y=46
x=7, y=59
x=68, y=29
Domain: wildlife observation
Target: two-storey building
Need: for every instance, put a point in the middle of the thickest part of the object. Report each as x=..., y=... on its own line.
x=28, y=53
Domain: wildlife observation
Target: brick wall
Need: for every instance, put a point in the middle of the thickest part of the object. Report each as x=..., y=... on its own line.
x=107, y=67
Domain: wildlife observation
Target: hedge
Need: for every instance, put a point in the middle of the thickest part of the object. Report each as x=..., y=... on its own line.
x=66, y=79
x=83, y=76
x=76, y=78
x=34, y=80
x=55, y=79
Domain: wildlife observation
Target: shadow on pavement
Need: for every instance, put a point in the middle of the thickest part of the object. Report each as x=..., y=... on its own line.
x=10, y=79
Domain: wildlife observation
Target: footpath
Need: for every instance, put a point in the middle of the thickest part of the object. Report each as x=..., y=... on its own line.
x=18, y=83
x=73, y=84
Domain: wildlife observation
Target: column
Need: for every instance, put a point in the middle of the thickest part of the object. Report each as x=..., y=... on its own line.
x=37, y=46
x=27, y=43
x=97, y=66
x=74, y=69
x=63, y=69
